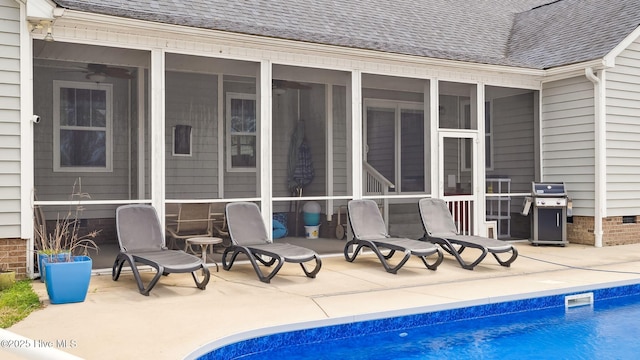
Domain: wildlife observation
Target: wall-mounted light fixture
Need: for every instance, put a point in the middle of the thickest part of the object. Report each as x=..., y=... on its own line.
x=38, y=26
x=49, y=36
x=96, y=77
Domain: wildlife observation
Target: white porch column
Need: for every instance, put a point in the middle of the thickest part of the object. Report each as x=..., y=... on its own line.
x=156, y=116
x=437, y=191
x=356, y=133
x=221, y=135
x=264, y=143
x=480, y=160
x=328, y=150
x=142, y=139
x=27, y=163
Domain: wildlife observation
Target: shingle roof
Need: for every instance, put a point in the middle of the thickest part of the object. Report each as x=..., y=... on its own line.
x=523, y=33
x=571, y=31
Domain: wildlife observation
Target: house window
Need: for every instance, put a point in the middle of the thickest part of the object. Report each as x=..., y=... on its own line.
x=241, y=132
x=82, y=126
x=394, y=137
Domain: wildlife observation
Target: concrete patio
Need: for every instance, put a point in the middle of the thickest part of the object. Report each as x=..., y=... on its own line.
x=116, y=322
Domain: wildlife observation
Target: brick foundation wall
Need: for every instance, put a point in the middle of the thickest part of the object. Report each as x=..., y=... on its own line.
x=617, y=233
x=13, y=252
x=581, y=230
x=614, y=231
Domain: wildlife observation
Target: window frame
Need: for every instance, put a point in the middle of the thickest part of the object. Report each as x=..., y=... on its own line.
x=241, y=96
x=397, y=106
x=465, y=110
x=57, y=127
x=177, y=140
x=488, y=136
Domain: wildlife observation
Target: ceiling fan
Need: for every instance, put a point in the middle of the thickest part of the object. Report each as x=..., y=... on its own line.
x=109, y=71
x=99, y=72
x=287, y=84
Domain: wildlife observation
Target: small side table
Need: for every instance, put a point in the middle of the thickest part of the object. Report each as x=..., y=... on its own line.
x=204, y=243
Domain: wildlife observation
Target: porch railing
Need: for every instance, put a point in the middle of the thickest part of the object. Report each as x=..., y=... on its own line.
x=376, y=184
x=461, y=208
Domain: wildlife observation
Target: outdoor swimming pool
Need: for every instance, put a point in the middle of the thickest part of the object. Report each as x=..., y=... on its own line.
x=528, y=328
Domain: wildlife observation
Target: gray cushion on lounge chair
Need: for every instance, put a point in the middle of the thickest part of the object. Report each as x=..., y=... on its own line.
x=440, y=228
x=249, y=237
x=141, y=241
x=369, y=231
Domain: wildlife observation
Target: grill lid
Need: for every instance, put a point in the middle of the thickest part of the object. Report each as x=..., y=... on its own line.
x=548, y=189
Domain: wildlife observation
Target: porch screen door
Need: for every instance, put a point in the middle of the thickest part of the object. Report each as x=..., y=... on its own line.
x=457, y=177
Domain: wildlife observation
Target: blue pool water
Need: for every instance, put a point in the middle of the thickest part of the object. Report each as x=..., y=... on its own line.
x=523, y=329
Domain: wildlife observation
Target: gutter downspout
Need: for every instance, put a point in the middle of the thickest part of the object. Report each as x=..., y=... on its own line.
x=600, y=176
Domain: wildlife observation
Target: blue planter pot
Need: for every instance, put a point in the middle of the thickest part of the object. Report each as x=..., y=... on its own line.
x=67, y=282
x=41, y=256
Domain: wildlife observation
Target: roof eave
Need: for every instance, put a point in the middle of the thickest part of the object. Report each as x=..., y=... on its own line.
x=571, y=70
x=294, y=45
x=610, y=58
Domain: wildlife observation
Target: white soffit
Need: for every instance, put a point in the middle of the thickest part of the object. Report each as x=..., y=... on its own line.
x=40, y=9
x=103, y=30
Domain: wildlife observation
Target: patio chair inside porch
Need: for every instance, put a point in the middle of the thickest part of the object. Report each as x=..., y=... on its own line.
x=191, y=220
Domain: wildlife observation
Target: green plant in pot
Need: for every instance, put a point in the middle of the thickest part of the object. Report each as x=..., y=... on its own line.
x=7, y=277
x=63, y=253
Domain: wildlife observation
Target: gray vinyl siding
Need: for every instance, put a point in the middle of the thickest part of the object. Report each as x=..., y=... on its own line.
x=568, y=147
x=284, y=122
x=340, y=149
x=513, y=141
x=285, y=119
x=623, y=133
x=313, y=112
x=9, y=119
x=54, y=185
x=191, y=99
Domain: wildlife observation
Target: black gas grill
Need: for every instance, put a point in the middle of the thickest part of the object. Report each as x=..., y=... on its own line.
x=549, y=202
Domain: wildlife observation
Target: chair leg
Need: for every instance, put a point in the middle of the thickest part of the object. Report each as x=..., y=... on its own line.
x=234, y=255
x=507, y=263
x=383, y=258
x=152, y=283
x=448, y=247
x=436, y=262
x=202, y=284
x=265, y=278
x=351, y=258
x=312, y=273
x=117, y=268
x=389, y=268
x=253, y=259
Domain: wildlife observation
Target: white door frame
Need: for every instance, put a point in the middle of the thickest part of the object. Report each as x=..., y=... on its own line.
x=475, y=193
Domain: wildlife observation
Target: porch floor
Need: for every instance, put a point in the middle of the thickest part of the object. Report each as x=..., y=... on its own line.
x=116, y=322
